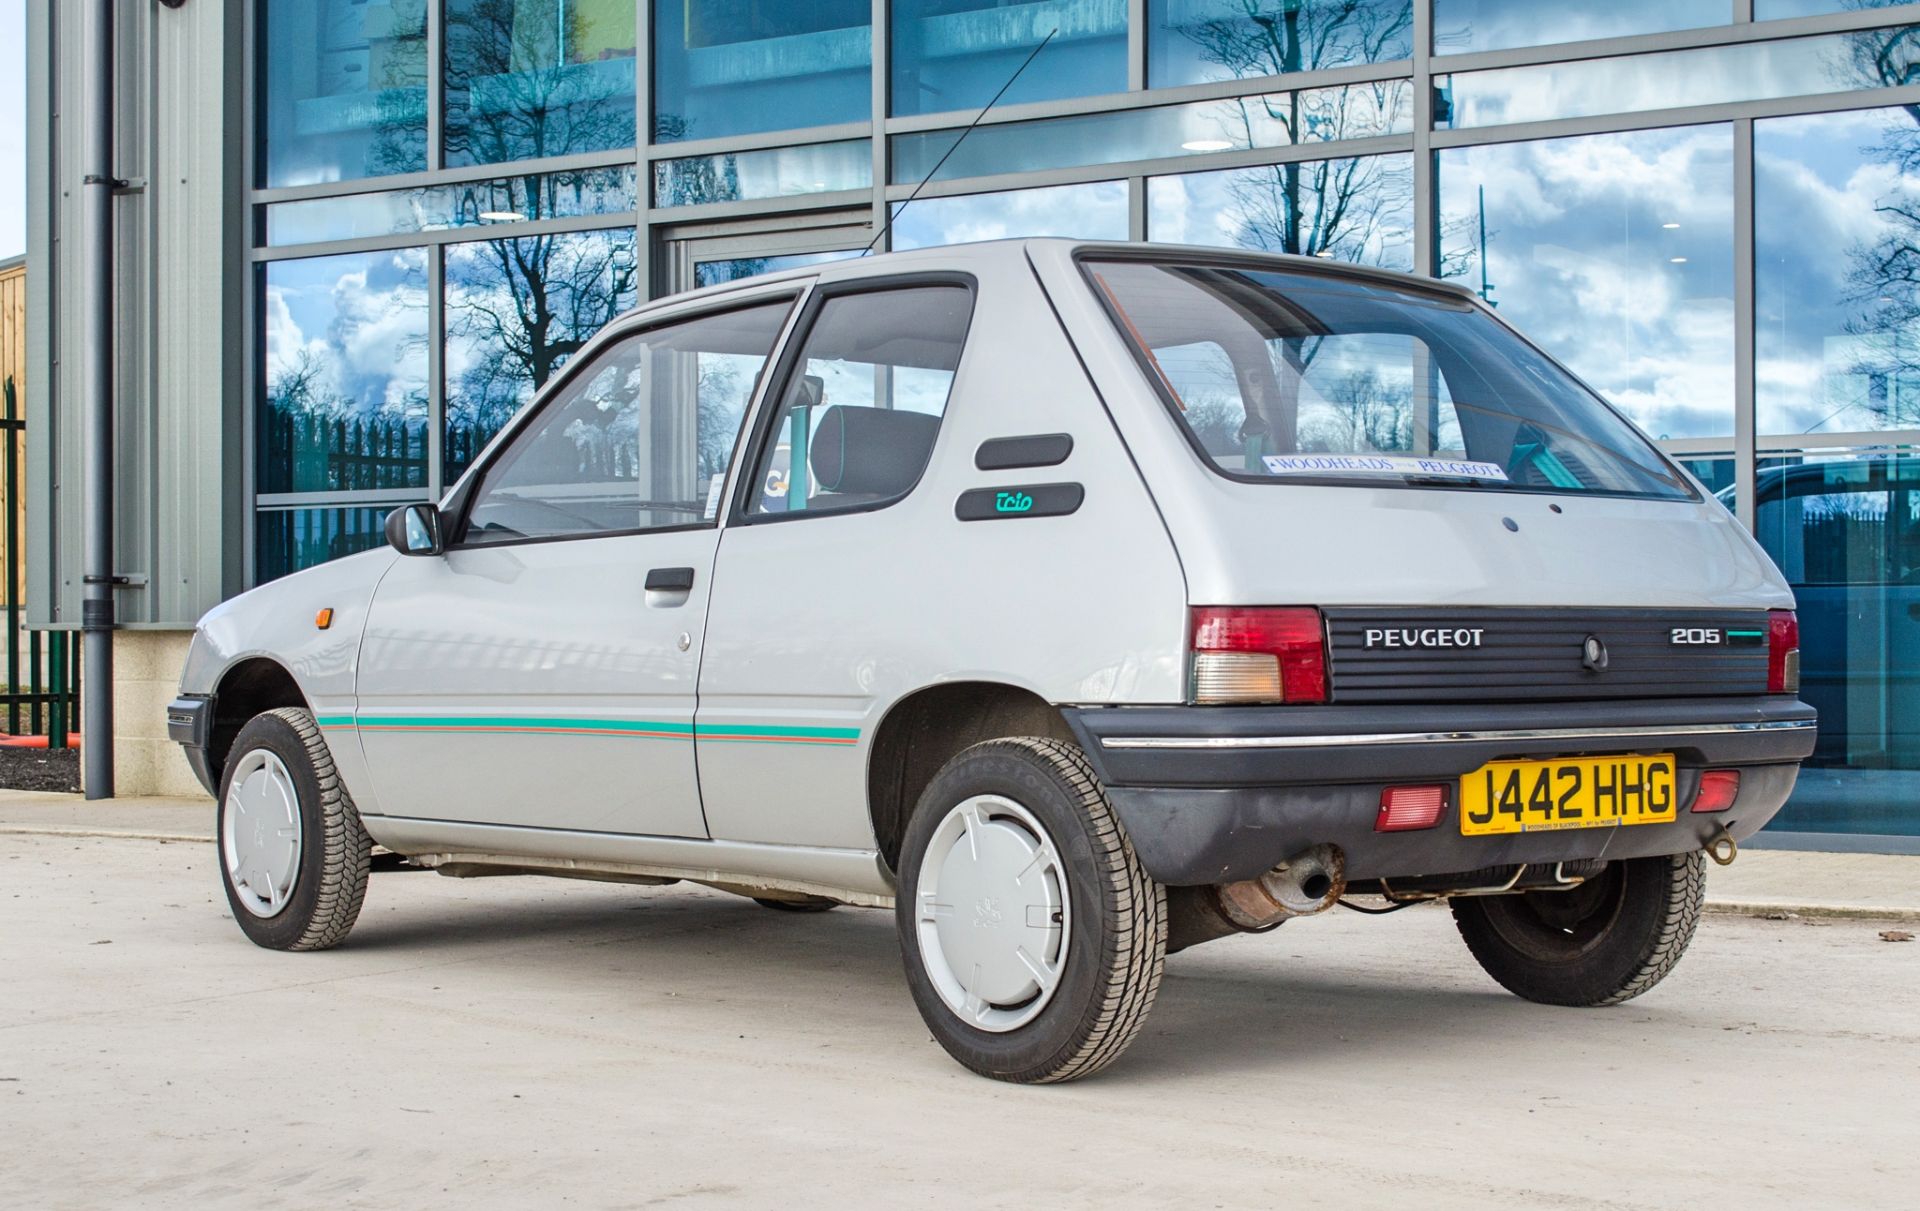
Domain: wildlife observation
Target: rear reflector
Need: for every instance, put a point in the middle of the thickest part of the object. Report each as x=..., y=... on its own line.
x=1258, y=654
x=1718, y=789
x=1783, y=652
x=1406, y=809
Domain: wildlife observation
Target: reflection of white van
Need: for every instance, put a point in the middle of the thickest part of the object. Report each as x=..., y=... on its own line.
x=1115, y=598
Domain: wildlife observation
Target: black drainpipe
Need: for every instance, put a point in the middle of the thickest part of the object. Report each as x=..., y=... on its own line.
x=96, y=237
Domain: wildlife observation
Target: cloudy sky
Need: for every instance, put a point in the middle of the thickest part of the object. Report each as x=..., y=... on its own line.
x=13, y=127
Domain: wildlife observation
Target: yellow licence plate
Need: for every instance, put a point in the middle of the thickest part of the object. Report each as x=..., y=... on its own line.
x=1574, y=792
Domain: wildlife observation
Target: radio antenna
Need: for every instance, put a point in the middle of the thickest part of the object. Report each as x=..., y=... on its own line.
x=888, y=223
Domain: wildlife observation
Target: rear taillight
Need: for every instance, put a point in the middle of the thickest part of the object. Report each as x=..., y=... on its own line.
x=1258, y=654
x=1410, y=808
x=1783, y=652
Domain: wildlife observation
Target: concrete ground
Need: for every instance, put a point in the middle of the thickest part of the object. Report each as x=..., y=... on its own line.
x=523, y=1042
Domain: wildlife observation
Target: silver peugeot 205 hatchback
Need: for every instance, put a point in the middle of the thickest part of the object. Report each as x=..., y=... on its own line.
x=1082, y=602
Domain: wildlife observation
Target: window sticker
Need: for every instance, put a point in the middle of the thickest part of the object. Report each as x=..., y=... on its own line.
x=713, y=498
x=1380, y=464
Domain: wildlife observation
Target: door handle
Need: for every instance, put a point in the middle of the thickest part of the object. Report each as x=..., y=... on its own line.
x=670, y=580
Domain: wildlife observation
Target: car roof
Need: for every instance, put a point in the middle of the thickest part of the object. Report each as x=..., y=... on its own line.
x=961, y=257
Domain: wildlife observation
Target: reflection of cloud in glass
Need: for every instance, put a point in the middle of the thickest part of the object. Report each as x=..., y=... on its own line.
x=1836, y=226
x=1671, y=79
x=346, y=371
x=1096, y=211
x=1358, y=209
x=1470, y=25
x=1578, y=255
x=516, y=311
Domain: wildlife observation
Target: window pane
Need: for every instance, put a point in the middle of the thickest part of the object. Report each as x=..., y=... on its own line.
x=1097, y=211
x=1310, y=116
x=343, y=93
x=856, y=426
x=439, y=207
x=1714, y=474
x=1846, y=532
x=1768, y=10
x=1615, y=253
x=516, y=311
x=1837, y=272
x=533, y=78
x=346, y=374
x=1357, y=209
x=640, y=439
x=1291, y=375
x=287, y=540
x=1754, y=71
x=735, y=67
x=956, y=54
x=712, y=273
x=1191, y=41
x=738, y=176
x=1464, y=25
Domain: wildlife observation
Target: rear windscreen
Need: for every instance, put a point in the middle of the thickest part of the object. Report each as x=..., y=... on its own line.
x=1295, y=376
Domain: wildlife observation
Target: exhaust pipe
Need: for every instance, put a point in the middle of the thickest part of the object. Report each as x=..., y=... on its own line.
x=1309, y=882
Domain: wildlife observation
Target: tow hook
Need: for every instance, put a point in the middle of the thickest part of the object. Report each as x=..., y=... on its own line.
x=1723, y=848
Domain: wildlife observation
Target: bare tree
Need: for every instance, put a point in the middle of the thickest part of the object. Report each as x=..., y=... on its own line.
x=1336, y=208
x=1883, y=275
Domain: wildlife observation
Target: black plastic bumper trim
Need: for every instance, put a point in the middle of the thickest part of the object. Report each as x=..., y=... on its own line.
x=190, y=725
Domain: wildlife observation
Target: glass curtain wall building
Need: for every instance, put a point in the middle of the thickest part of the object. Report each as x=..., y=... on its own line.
x=1710, y=209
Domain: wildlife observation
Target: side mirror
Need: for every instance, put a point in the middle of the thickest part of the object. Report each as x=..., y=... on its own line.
x=415, y=530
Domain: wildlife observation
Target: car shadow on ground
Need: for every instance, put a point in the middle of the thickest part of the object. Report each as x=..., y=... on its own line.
x=1244, y=1009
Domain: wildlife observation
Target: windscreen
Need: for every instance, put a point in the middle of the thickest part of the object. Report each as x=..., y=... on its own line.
x=1290, y=376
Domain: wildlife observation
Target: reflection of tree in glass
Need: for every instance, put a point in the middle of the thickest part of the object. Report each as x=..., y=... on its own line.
x=1335, y=208
x=1883, y=276
x=525, y=306
x=518, y=87
x=1360, y=414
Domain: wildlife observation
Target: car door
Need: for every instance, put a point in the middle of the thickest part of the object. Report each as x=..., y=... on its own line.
x=818, y=574
x=542, y=671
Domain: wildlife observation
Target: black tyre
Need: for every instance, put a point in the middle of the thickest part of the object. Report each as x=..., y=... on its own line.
x=293, y=855
x=802, y=904
x=1033, y=938
x=1603, y=942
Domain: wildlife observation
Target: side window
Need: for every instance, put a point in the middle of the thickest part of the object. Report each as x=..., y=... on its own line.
x=858, y=416
x=638, y=440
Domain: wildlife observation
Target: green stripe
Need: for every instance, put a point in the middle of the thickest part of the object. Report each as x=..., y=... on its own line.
x=649, y=728
x=722, y=731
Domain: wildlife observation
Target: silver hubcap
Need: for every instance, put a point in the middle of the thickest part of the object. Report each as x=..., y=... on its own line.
x=993, y=917
x=260, y=834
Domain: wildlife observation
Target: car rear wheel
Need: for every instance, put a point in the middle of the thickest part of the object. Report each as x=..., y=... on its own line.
x=293, y=855
x=1608, y=940
x=1033, y=938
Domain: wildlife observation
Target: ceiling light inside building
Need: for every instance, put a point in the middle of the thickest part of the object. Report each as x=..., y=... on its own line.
x=1669, y=226
x=501, y=216
x=1205, y=145
x=1679, y=260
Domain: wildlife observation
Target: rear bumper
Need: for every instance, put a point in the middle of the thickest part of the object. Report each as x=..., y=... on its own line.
x=1215, y=794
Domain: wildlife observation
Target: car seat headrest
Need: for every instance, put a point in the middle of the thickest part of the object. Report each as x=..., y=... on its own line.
x=871, y=451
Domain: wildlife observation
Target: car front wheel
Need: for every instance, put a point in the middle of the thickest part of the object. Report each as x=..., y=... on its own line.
x=293, y=855
x=1605, y=941
x=1033, y=938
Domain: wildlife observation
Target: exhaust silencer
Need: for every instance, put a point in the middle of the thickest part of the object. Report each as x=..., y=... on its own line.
x=1311, y=881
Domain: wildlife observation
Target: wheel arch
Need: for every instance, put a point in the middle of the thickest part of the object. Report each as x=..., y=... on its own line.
x=927, y=728
x=247, y=687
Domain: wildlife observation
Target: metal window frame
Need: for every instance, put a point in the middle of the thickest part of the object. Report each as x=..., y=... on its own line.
x=780, y=218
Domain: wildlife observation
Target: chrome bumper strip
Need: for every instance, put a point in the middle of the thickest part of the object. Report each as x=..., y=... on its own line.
x=1551, y=733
